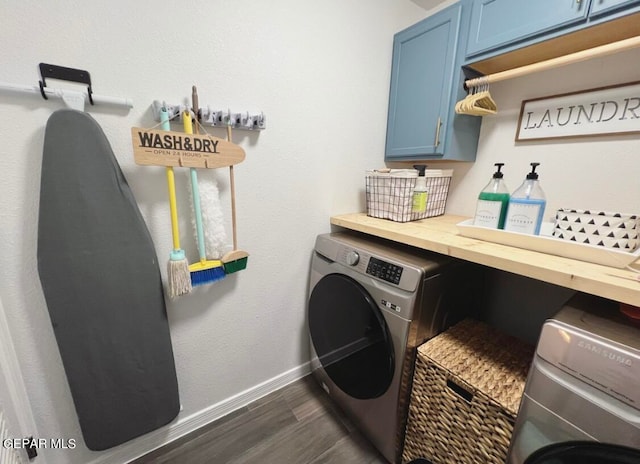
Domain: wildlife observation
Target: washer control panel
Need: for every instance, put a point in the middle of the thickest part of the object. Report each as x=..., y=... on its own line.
x=373, y=260
x=384, y=270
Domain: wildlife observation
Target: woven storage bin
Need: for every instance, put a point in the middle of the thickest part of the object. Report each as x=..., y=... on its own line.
x=467, y=387
x=390, y=193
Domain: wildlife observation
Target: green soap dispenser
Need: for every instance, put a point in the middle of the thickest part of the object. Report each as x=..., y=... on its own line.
x=493, y=201
x=420, y=193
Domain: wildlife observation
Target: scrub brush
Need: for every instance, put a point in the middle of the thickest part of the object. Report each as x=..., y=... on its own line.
x=205, y=271
x=178, y=266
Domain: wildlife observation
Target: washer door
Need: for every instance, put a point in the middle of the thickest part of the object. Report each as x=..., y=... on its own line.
x=350, y=337
x=580, y=452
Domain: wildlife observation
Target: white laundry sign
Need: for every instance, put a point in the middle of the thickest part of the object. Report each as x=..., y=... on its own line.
x=601, y=111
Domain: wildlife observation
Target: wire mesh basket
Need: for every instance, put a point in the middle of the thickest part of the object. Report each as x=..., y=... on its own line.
x=389, y=193
x=467, y=387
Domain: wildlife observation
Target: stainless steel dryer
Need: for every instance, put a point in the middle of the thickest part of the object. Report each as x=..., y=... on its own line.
x=583, y=385
x=371, y=304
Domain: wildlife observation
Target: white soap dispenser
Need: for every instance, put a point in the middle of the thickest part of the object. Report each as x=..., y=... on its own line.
x=526, y=206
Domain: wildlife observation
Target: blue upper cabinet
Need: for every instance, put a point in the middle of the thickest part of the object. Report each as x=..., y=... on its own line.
x=426, y=79
x=420, y=84
x=499, y=27
x=496, y=23
x=599, y=7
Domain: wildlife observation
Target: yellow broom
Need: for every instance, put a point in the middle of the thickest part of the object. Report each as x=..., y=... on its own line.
x=178, y=266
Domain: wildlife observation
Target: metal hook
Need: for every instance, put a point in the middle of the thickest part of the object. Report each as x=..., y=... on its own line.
x=42, y=86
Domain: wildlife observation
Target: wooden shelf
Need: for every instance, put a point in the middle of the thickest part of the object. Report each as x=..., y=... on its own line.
x=440, y=235
x=594, y=36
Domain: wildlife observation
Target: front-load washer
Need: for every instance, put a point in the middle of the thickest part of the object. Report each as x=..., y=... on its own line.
x=584, y=382
x=371, y=303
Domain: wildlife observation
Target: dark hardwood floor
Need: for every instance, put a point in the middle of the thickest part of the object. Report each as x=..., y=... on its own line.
x=295, y=425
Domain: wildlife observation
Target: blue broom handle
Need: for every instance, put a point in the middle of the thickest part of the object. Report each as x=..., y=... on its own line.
x=198, y=211
x=164, y=120
x=188, y=128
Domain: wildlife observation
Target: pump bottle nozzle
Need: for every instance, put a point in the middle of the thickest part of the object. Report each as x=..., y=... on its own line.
x=533, y=174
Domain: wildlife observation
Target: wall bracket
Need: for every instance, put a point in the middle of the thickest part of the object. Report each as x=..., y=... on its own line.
x=64, y=74
x=72, y=98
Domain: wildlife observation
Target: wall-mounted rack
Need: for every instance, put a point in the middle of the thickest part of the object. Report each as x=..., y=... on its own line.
x=72, y=98
x=244, y=120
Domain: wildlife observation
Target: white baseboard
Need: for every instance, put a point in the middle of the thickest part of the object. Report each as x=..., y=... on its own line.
x=153, y=440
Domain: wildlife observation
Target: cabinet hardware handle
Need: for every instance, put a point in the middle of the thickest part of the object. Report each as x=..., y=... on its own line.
x=438, y=132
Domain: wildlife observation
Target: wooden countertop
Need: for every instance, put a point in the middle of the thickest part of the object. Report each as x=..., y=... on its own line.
x=440, y=234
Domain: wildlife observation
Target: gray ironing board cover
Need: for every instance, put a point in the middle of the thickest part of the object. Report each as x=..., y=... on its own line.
x=102, y=285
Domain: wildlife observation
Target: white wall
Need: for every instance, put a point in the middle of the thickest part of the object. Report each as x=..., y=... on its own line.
x=319, y=71
x=15, y=416
x=591, y=173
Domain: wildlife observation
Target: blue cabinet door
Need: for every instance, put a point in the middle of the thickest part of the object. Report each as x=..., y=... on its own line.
x=421, y=83
x=497, y=23
x=599, y=7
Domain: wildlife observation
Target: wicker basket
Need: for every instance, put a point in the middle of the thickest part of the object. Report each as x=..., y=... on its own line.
x=467, y=387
